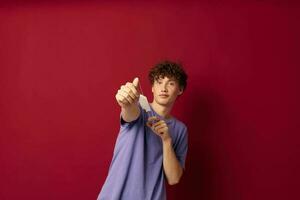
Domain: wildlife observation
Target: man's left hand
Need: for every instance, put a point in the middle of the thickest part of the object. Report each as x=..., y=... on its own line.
x=159, y=127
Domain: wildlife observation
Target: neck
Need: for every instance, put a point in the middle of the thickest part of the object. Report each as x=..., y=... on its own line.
x=164, y=111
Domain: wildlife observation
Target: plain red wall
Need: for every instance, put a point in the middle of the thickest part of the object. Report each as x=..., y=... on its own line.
x=61, y=64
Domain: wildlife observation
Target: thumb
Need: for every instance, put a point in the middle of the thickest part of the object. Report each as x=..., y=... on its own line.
x=136, y=82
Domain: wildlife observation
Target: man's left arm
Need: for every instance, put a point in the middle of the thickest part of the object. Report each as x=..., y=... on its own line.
x=172, y=168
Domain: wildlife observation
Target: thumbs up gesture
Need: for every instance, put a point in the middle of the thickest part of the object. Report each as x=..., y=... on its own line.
x=128, y=94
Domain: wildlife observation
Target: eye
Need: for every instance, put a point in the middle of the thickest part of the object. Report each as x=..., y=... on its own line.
x=172, y=83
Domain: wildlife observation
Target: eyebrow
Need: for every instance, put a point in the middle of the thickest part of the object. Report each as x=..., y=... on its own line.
x=171, y=79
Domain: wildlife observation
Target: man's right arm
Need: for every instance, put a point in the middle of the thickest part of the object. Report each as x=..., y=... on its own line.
x=131, y=113
x=127, y=97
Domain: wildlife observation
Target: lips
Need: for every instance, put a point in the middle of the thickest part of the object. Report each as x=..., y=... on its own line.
x=163, y=95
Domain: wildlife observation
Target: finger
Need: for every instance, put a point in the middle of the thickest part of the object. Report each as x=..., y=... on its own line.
x=153, y=118
x=133, y=89
x=159, y=127
x=153, y=121
x=126, y=96
x=161, y=122
x=128, y=91
x=122, y=99
x=149, y=124
x=136, y=82
x=160, y=130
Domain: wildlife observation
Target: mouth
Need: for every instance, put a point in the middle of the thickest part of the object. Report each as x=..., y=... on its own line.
x=163, y=95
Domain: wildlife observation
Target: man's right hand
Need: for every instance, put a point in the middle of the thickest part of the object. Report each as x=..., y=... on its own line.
x=128, y=94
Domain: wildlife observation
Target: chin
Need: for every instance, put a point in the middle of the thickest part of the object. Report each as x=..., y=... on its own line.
x=163, y=103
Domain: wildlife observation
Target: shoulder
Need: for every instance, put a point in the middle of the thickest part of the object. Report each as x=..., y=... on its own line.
x=180, y=125
x=181, y=130
x=179, y=135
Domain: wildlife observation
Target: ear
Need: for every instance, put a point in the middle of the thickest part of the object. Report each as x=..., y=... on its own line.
x=180, y=91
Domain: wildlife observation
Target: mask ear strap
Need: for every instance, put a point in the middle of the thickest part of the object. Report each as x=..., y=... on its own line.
x=141, y=88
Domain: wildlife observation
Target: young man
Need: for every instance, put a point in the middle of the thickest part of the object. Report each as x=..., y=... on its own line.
x=149, y=149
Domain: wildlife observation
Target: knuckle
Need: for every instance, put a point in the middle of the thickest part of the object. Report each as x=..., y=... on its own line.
x=126, y=88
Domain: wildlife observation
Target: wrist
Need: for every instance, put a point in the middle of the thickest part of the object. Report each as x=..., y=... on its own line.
x=167, y=141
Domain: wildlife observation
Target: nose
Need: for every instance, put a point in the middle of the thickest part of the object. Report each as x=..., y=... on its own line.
x=164, y=88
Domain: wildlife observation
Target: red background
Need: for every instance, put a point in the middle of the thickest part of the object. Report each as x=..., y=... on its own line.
x=62, y=62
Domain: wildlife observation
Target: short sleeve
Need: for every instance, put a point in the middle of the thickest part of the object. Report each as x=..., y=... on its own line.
x=181, y=147
x=125, y=124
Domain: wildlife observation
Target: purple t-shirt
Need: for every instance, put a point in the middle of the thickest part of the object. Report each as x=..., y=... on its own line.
x=136, y=170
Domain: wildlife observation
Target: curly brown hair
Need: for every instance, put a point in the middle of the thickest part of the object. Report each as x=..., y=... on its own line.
x=168, y=69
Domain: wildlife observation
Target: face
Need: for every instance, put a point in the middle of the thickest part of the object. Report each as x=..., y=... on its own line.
x=165, y=91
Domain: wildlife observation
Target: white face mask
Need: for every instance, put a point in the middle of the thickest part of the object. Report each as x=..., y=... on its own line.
x=144, y=103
